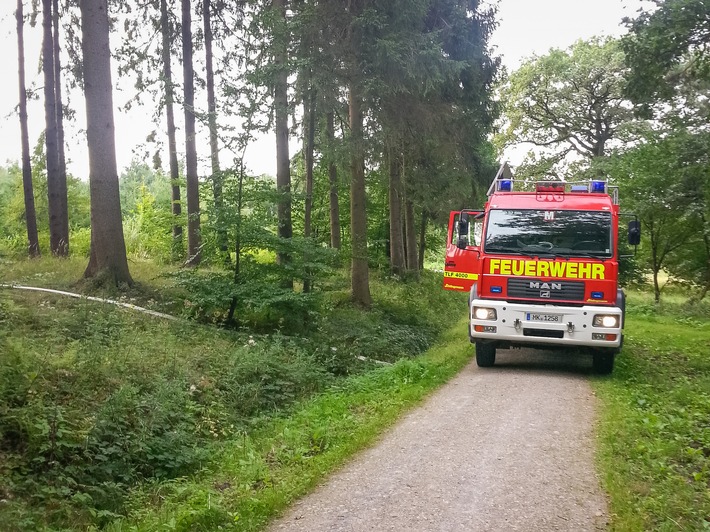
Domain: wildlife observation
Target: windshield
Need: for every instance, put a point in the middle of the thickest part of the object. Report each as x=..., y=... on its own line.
x=558, y=233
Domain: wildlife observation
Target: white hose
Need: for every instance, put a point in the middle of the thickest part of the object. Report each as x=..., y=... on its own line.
x=90, y=298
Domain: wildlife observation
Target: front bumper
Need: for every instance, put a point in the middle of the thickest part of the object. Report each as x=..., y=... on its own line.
x=515, y=325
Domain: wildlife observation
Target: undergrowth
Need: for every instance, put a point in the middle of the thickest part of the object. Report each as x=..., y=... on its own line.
x=258, y=475
x=99, y=405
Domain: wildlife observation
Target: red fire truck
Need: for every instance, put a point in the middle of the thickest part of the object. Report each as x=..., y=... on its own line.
x=540, y=263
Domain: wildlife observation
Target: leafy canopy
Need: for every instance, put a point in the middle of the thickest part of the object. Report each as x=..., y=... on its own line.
x=666, y=46
x=568, y=101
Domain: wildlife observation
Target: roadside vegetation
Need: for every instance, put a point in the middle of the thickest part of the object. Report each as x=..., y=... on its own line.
x=109, y=415
x=655, y=418
x=122, y=421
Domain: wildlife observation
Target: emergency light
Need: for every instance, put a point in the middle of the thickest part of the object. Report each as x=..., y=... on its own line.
x=505, y=185
x=598, y=186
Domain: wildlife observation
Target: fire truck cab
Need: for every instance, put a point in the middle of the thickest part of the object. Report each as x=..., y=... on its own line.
x=540, y=262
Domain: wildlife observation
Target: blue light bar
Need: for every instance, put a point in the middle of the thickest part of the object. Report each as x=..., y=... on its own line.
x=496, y=289
x=597, y=295
x=598, y=186
x=505, y=185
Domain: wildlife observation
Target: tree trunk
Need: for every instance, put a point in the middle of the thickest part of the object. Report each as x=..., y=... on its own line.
x=309, y=119
x=283, y=170
x=170, y=118
x=57, y=239
x=59, y=108
x=358, y=212
x=397, y=263
x=706, y=243
x=194, y=240
x=333, y=177
x=212, y=122
x=411, y=236
x=30, y=213
x=237, y=243
x=655, y=267
x=108, y=248
x=360, y=273
x=422, y=239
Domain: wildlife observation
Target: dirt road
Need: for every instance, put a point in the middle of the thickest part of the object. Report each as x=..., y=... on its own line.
x=505, y=448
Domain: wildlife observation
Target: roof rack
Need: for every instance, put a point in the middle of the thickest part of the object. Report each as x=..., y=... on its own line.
x=504, y=182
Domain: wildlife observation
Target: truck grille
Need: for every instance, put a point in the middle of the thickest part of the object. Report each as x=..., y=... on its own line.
x=534, y=289
x=543, y=333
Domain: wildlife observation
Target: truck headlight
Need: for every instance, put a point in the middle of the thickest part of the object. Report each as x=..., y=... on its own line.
x=606, y=320
x=483, y=313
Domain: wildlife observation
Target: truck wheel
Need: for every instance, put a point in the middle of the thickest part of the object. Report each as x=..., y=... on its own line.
x=485, y=354
x=603, y=363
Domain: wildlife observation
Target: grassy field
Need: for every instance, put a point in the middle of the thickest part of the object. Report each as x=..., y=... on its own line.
x=654, y=434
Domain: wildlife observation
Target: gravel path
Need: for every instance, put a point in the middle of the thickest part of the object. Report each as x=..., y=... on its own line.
x=505, y=448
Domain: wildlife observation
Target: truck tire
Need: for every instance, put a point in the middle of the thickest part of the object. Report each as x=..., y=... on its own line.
x=603, y=362
x=485, y=354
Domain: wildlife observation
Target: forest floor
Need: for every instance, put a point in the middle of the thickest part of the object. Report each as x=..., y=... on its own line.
x=503, y=448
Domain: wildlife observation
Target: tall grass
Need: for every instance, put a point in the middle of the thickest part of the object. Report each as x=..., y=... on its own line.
x=655, y=418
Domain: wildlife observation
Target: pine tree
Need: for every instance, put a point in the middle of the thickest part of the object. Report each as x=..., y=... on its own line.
x=108, y=250
x=30, y=214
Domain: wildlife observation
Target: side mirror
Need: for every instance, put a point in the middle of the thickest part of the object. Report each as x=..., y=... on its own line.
x=462, y=231
x=634, y=233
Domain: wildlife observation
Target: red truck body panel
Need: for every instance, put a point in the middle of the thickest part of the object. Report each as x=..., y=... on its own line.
x=463, y=267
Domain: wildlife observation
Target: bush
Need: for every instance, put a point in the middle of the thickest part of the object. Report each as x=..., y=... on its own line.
x=80, y=242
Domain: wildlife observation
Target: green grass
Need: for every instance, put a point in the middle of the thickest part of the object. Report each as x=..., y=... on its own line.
x=117, y=420
x=111, y=418
x=655, y=419
x=259, y=474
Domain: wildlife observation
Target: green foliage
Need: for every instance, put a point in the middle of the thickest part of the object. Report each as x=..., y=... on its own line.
x=139, y=180
x=320, y=213
x=260, y=473
x=655, y=438
x=96, y=402
x=557, y=101
x=664, y=181
x=148, y=230
x=263, y=303
x=80, y=242
x=12, y=208
x=95, y=416
x=666, y=48
x=631, y=271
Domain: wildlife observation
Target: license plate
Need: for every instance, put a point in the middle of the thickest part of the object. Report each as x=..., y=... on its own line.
x=548, y=318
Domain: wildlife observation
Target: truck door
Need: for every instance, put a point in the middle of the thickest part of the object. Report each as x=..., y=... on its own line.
x=462, y=265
